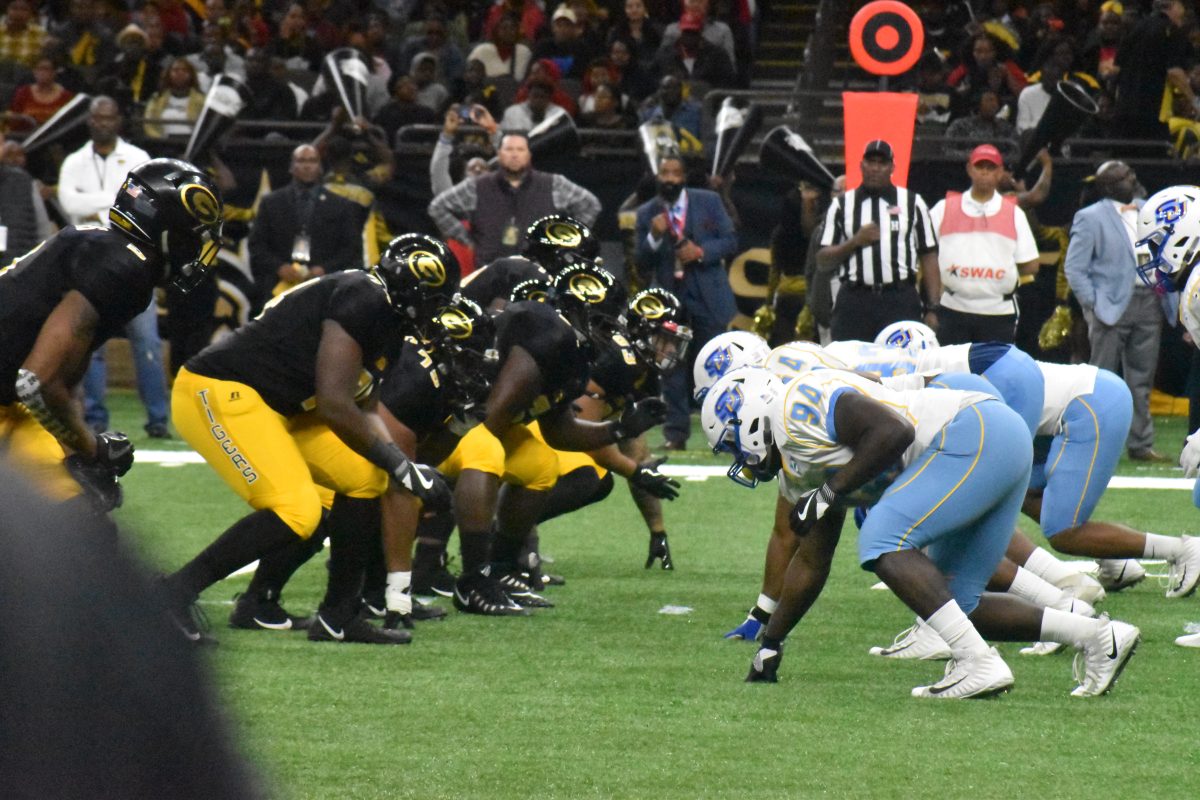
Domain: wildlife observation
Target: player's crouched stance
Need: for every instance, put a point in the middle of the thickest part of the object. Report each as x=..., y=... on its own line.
x=946, y=471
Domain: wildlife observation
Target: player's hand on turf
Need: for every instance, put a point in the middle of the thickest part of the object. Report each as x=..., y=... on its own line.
x=114, y=451
x=749, y=631
x=639, y=417
x=99, y=482
x=647, y=478
x=765, y=666
x=1189, y=459
x=660, y=549
x=813, y=505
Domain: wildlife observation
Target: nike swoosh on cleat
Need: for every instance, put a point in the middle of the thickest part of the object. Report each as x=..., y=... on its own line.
x=274, y=626
x=947, y=687
x=1113, y=655
x=339, y=635
x=192, y=637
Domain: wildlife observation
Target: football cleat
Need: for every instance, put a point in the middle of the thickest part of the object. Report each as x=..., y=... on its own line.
x=183, y=614
x=918, y=642
x=1119, y=573
x=436, y=581
x=660, y=549
x=1185, y=569
x=1071, y=605
x=255, y=612
x=765, y=666
x=1189, y=640
x=482, y=594
x=1098, y=665
x=357, y=631
x=514, y=585
x=749, y=631
x=421, y=612
x=982, y=675
x=1083, y=586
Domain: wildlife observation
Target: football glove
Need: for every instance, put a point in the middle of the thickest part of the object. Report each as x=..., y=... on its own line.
x=660, y=549
x=639, y=417
x=765, y=666
x=647, y=478
x=860, y=516
x=426, y=483
x=752, y=629
x=99, y=482
x=1189, y=459
x=114, y=451
x=813, y=505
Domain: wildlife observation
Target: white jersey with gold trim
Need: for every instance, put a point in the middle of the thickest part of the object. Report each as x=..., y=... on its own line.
x=1064, y=382
x=875, y=359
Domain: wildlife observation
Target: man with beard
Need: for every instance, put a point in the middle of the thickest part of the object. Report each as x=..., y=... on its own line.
x=502, y=204
x=683, y=238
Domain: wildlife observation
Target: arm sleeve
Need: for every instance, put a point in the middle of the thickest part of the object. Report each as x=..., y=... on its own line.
x=449, y=208
x=439, y=167
x=575, y=200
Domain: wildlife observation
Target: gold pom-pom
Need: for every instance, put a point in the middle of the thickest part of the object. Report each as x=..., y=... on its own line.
x=1056, y=329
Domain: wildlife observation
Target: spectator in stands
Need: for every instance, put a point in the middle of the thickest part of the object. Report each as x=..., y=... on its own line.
x=640, y=33
x=592, y=22
x=1123, y=316
x=982, y=126
x=430, y=93
x=684, y=115
x=440, y=172
x=608, y=112
x=21, y=37
x=270, y=98
x=403, y=109
x=546, y=71
x=88, y=44
x=933, y=93
x=22, y=211
x=526, y=13
x=1155, y=52
x=1099, y=52
x=683, y=237
x=433, y=39
x=634, y=80
x=986, y=65
x=303, y=230
x=501, y=205
x=176, y=104
x=245, y=20
x=175, y=20
x=12, y=154
x=692, y=55
x=134, y=75
x=38, y=101
x=504, y=55
x=214, y=59
x=294, y=42
x=600, y=72
x=714, y=31
x=161, y=46
x=476, y=88
x=564, y=46
x=1054, y=64
x=536, y=109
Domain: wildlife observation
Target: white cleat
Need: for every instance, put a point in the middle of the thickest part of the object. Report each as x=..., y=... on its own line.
x=983, y=675
x=1104, y=657
x=918, y=642
x=1042, y=649
x=1189, y=640
x=1083, y=586
x=1119, y=573
x=1185, y=570
x=1072, y=606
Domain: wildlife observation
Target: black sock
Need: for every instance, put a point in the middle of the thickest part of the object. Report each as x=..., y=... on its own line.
x=506, y=550
x=476, y=550
x=251, y=537
x=277, y=568
x=433, y=533
x=353, y=529
x=375, y=575
x=578, y=488
x=529, y=558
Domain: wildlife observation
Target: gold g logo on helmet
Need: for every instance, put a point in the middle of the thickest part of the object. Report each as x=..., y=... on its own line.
x=201, y=203
x=587, y=288
x=563, y=234
x=456, y=324
x=427, y=267
x=649, y=306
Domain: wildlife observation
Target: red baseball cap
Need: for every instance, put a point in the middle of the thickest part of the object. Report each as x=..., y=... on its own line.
x=986, y=152
x=691, y=21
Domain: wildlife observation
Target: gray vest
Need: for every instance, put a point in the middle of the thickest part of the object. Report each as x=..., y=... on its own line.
x=499, y=206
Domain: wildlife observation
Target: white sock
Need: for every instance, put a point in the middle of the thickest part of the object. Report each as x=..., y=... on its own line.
x=1066, y=628
x=396, y=594
x=957, y=631
x=399, y=581
x=1046, y=566
x=767, y=604
x=1159, y=546
x=1038, y=591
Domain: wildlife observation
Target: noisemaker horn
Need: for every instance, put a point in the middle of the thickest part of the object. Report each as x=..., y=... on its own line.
x=556, y=135
x=658, y=141
x=346, y=70
x=225, y=100
x=735, y=128
x=65, y=120
x=1070, y=105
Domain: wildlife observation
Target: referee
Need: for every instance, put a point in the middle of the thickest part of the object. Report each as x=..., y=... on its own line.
x=879, y=234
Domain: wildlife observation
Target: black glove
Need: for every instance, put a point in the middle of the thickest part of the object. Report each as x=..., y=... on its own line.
x=652, y=482
x=114, y=451
x=660, y=548
x=426, y=483
x=99, y=482
x=765, y=667
x=637, y=418
x=813, y=505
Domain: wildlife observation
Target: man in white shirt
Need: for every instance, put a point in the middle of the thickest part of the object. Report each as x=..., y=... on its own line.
x=985, y=248
x=88, y=182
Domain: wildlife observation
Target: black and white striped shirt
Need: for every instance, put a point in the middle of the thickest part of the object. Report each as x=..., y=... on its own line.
x=904, y=228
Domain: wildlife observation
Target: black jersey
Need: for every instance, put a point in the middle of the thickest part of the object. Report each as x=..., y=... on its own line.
x=496, y=280
x=116, y=276
x=276, y=353
x=621, y=375
x=414, y=391
x=540, y=330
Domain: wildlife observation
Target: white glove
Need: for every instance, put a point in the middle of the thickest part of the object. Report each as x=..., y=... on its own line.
x=397, y=594
x=1189, y=459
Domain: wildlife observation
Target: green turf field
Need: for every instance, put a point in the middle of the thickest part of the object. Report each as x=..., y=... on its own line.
x=604, y=696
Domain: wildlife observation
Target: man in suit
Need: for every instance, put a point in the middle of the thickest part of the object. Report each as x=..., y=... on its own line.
x=1123, y=317
x=303, y=230
x=683, y=238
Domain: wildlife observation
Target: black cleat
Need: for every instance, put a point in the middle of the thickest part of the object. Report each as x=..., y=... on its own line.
x=514, y=585
x=765, y=667
x=482, y=594
x=660, y=549
x=423, y=612
x=439, y=580
x=263, y=612
x=357, y=630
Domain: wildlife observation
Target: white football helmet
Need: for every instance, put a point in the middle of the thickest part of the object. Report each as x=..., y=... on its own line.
x=724, y=353
x=1168, y=234
x=908, y=333
x=736, y=417
x=796, y=358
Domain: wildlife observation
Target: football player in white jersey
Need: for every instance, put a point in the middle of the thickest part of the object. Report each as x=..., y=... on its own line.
x=724, y=353
x=946, y=472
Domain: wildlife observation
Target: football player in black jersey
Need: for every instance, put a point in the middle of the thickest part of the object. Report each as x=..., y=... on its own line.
x=64, y=298
x=557, y=241
x=288, y=402
x=491, y=286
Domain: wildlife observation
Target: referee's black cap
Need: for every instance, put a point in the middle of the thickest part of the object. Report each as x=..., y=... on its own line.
x=878, y=148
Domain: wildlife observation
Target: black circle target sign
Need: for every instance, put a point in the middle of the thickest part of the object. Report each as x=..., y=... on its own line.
x=886, y=37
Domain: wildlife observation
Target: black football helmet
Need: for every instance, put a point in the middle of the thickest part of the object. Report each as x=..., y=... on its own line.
x=654, y=321
x=591, y=299
x=420, y=273
x=463, y=336
x=557, y=241
x=535, y=289
x=173, y=207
